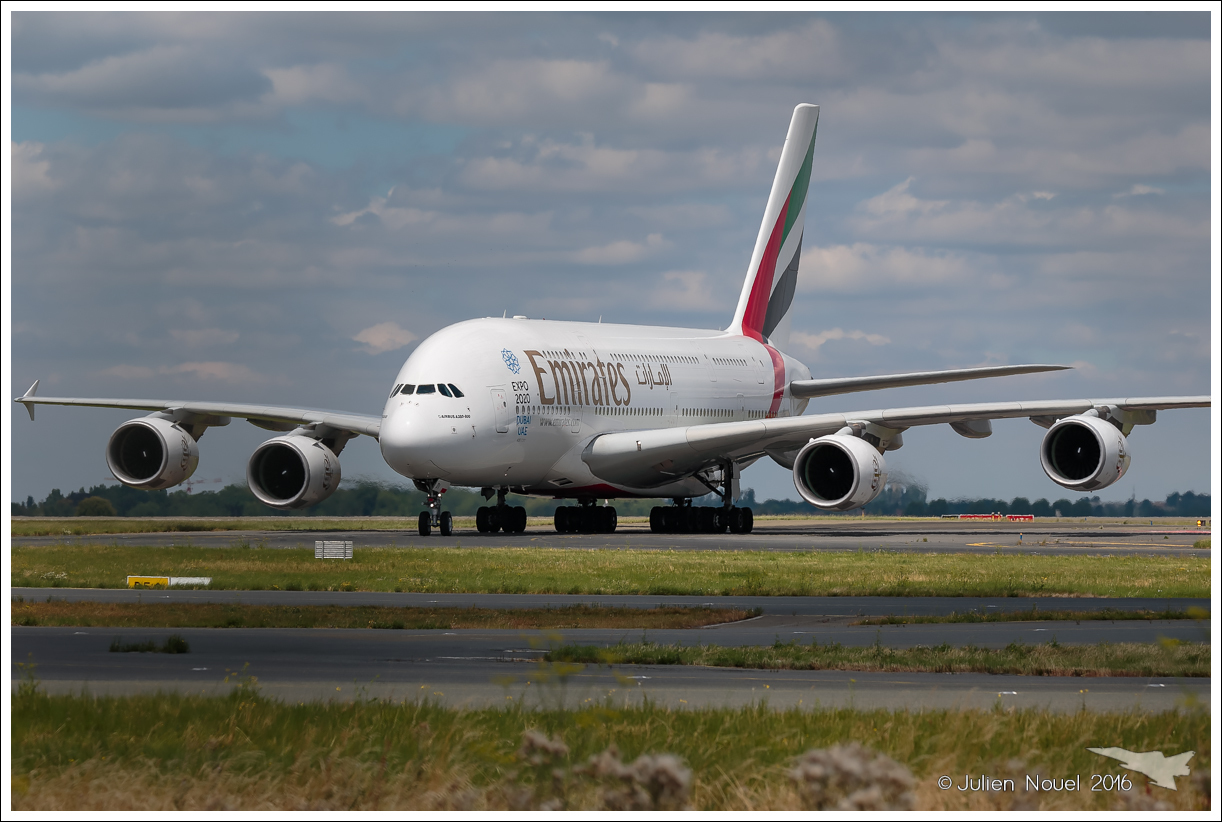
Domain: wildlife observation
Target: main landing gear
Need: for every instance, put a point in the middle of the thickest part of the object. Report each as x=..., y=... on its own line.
x=500, y=517
x=443, y=521
x=683, y=518
x=587, y=518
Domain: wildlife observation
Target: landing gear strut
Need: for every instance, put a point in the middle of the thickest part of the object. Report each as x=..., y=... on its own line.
x=683, y=518
x=443, y=521
x=500, y=517
x=586, y=518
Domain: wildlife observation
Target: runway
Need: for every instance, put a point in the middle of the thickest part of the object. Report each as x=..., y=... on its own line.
x=815, y=534
x=469, y=668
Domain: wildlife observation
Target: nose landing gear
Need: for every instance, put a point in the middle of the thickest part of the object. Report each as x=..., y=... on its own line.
x=443, y=521
x=500, y=517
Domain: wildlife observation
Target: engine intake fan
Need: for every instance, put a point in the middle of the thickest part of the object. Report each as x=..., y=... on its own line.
x=151, y=453
x=292, y=472
x=1084, y=453
x=839, y=473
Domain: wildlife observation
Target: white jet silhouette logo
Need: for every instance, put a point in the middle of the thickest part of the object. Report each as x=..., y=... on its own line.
x=1162, y=770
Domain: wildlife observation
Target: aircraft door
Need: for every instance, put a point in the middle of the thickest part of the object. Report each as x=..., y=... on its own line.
x=575, y=419
x=500, y=410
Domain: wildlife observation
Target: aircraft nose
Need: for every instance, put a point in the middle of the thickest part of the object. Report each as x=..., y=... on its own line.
x=408, y=442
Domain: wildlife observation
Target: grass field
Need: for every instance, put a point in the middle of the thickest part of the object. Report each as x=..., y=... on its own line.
x=1171, y=658
x=571, y=571
x=1101, y=615
x=246, y=752
x=218, y=615
x=85, y=526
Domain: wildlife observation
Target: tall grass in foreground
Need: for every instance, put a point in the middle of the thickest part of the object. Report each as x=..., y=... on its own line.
x=247, y=752
x=1170, y=658
x=581, y=571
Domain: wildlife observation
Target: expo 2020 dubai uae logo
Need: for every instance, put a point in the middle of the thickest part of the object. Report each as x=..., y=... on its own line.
x=510, y=360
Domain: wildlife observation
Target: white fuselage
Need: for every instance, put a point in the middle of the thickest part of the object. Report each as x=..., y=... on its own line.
x=536, y=392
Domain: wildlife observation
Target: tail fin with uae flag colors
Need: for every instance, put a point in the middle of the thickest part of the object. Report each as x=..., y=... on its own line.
x=763, y=307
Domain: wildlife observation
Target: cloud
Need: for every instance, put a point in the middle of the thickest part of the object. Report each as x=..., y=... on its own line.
x=226, y=372
x=31, y=170
x=202, y=337
x=321, y=82
x=797, y=52
x=587, y=166
x=1019, y=220
x=383, y=337
x=1138, y=190
x=619, y=252
x=686, y=291
x=229, y=372
x=169, y=82
x=869, y=268
x=813, y=342
x=516, y=90
x=128, y=372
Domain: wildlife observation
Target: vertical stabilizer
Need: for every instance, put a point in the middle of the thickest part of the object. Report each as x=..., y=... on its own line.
x=772, y=278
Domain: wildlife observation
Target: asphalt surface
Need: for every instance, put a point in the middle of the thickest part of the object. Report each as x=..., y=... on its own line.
x=478, y=668
x=830, y=534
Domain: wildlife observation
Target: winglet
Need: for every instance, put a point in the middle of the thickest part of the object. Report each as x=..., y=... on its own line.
x=33, y=390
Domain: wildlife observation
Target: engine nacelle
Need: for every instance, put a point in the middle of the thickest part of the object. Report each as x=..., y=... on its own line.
x=292, y=472
x=1084, y=453
x=151, y=453
x=838, y=473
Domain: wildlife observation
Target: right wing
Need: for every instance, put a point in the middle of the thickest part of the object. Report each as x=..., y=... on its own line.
x=644, y=459
x=271, y=417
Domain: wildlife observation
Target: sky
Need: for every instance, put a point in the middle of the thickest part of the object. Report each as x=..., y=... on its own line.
x=278, y=207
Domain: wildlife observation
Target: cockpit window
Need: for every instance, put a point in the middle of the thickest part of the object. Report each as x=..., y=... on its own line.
x=454, y=388
x=395, y=390
x=408, y=388
x=441, y=386
x=426, y=389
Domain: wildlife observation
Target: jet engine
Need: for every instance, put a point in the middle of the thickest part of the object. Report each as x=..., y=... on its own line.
x=1084, y=453
x=292, y=472
x=151, y=453
x=838, y=473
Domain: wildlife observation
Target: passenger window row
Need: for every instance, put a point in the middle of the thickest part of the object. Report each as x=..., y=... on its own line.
x=445, y=389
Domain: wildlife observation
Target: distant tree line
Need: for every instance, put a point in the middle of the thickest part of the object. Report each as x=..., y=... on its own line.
x=910, y=501
x=370, y=499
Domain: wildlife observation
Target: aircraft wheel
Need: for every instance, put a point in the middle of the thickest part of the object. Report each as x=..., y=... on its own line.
x=519, y=520
x=425, y=524
x=481, y=519
x=446, y=524
x=610, y=520
x=686, y=520
x=561, y=520
x=748, y=520
x=656, y=520
x=736, y=520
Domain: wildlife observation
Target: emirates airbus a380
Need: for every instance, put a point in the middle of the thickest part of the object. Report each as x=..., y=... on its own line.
x=590, y=411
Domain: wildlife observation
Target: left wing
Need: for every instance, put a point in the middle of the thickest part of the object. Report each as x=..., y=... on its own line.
x=645, y=459
x=271, y=417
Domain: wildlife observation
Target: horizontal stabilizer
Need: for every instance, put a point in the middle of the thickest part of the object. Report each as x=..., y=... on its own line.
x=805, y=389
